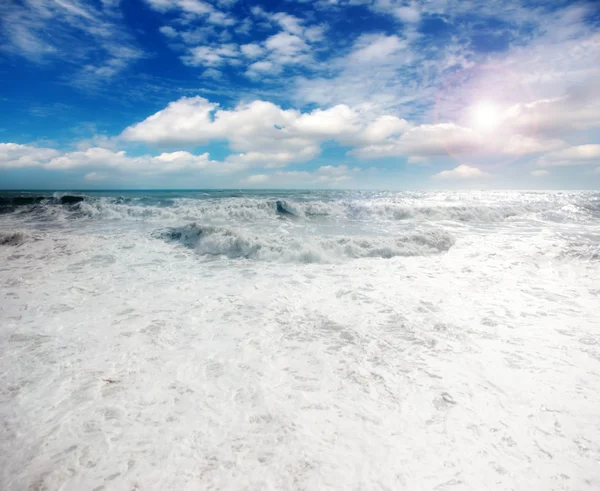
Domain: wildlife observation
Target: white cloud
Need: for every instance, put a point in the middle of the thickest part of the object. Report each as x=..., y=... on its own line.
x=212, y=73
x=191, y=9
x=255, y=179
x=177, y=161
x=94, y=176
x=408, y=14
x=559, y=116
x=577, y=155
x=91, y=36
x=383, y=128
x=262, y=68
x=211, y=56
x=13, y=155
x=190, y=6
x=252, y=50
x=375, y=73
x=271, y=159
x=221, y=19
x=328, y=176
x=261, y=131
x=286, y=47
x=187, y=120
x=395, y=137
x=258, y=125
x=462, y=172
x=315, y=33
x=408, y=77
x=101, y=141
x=374, y=48
x=539, y=173
x=426, y=140
x=244, y=27
x=210, y=47
x=523, y=145
x=334, y=122
x=289, y=23
x=169, y=32
x=335, y=172
x=265, y=134
x=97, y=160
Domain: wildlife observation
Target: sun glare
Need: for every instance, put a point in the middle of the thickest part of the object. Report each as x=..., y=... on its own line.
x=485, y=116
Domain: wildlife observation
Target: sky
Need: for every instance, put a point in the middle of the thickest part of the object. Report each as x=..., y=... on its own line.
x=394, y=94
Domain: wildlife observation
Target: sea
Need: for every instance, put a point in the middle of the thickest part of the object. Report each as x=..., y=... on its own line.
x=299, y=340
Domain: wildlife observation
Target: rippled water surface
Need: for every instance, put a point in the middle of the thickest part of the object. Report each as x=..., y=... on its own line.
x=300, y=340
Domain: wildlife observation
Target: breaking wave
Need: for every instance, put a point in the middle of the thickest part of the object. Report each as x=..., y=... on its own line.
x=18, y=201
x=14, y=238
x=252, y=209
x=400, y=208
x=234, y=243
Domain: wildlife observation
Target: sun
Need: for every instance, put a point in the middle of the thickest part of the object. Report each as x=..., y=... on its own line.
x=485, y=116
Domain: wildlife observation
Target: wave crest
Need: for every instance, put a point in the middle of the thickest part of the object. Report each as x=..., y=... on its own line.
x=234, y=243
x=15, y=238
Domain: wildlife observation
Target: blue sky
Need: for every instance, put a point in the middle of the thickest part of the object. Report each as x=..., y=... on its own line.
x=299, y=94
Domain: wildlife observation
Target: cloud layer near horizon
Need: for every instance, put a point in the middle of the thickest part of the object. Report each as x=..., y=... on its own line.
x=304, y=99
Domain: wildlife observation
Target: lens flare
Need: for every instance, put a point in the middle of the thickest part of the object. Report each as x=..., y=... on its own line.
x=485, y=116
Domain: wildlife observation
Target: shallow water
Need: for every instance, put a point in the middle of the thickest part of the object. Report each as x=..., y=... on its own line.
x=333, y=340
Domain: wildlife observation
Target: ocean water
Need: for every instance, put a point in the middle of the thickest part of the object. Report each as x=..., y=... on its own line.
x=300, y=341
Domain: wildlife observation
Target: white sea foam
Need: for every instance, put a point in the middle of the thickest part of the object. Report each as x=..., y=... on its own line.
x=13, y=238
x=238, y=243
x=452, y=346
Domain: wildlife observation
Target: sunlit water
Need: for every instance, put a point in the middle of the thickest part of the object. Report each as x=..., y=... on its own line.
x=331, y=340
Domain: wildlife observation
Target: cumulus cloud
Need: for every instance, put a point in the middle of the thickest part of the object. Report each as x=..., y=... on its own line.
x=408, y=14
x=402, y=75
x=187, y=120
x=261, y=131
x=425, y=140
x=271, y=159
x=264, y=132
x=13, y=155
x=333, y=122
x=558, y=116
x=461, y=173
x=212, y=73
x=289, y=23
x=252, y=50
x=209, y=46
x=286, y=48
x=329, y=176
x=315, y=33
x=101, y=158
x=262, y=68
x=211, y=56
x=96, y=160
x=523, y=145
x=576, y=155
x=382, y=128
x=190, y=10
